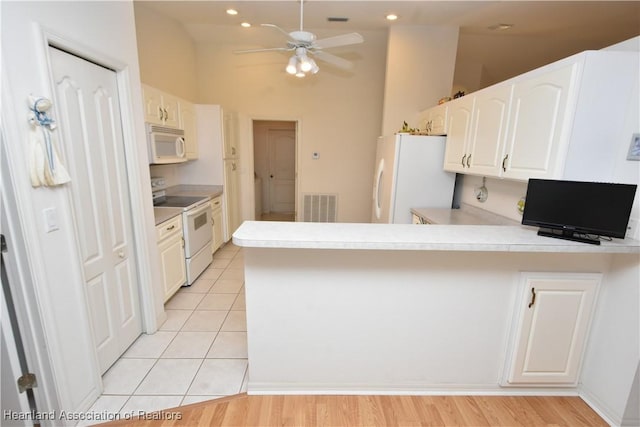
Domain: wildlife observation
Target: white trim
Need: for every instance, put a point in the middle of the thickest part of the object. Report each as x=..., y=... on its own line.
x=152, y=317
x=600, y=408
x=403, y=389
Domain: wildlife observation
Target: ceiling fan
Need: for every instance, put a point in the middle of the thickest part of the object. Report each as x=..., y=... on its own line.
x=304, y=45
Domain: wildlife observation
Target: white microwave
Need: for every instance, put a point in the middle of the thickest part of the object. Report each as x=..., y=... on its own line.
x=166, y=145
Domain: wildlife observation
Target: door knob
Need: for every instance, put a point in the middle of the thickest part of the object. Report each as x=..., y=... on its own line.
x=271, y=176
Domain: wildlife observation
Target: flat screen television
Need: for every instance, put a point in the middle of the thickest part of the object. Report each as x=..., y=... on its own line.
x=580, y=211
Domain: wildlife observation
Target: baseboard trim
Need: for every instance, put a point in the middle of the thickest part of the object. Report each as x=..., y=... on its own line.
x=600, y=408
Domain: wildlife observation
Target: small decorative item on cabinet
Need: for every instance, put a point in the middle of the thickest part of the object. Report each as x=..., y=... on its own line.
x=458, y=94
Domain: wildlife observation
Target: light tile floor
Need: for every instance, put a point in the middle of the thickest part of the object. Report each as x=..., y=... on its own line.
x=199, y=353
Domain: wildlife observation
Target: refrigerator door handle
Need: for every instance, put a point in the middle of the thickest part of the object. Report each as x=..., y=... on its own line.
x=378, y=189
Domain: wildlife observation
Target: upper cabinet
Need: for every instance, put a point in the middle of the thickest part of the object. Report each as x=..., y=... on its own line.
x=434, y=120
x=160, y=108
x=230, y=141
x=540, y=112
x=555, y=122
x=458, y=135
x=188, y=123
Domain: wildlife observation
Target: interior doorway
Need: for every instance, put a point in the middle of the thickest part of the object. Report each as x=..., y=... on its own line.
x=274, y=155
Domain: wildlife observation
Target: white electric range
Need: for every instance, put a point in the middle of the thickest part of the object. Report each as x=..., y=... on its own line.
x=196, y=226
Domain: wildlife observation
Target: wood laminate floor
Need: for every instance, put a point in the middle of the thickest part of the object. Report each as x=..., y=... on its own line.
x=353, y=411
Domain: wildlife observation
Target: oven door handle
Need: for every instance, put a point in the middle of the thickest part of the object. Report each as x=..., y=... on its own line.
x=199, y=209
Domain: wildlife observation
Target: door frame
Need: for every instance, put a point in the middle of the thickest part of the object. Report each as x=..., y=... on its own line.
x=53, y=391
x=248, y=184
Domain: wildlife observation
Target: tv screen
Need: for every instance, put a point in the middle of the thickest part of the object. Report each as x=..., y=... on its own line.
x=577, y=210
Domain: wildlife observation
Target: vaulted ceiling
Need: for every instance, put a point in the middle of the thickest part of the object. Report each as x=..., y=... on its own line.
x=542, y=32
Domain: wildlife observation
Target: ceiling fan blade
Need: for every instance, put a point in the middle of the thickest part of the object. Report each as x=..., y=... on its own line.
x=333, y=59
x=279, y=29
x=342, y=40
x=268, y=49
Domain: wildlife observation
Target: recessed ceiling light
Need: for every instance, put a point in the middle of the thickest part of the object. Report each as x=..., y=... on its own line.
x=392, y=17
x=500, y=27
x=232, y=12
x=245, y=24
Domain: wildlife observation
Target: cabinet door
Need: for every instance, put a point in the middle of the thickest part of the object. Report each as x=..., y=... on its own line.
x=171, y=107
x=490, y=118
x=217, y=224
x=173, y=266
x=153, y=112
x=189, y=125
x=231, y=199
x=460, y=114
x=555, y=314
x=538, y=125
x=438, y=119
x=230, y=141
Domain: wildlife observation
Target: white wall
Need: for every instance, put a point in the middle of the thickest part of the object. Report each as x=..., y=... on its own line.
x=420, y=66
x=339, y=112
x=167, y=54
x=105, y=32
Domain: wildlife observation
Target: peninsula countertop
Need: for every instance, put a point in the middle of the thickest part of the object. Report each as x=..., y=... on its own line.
x=360, y=236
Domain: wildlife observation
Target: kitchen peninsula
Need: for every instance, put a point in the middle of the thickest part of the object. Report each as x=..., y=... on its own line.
x=391, y=309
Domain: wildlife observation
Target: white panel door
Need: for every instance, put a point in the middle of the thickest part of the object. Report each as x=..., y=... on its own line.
x=282, y=169
x=90, y=122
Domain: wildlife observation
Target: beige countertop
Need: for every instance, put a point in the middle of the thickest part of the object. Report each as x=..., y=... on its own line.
x=164, y=214
x=466, y=215
x=210, y=191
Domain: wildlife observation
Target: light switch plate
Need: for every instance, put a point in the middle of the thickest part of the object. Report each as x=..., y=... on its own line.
x=50, y=220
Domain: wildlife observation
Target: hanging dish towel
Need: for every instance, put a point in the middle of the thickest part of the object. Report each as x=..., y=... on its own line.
x=45, y=166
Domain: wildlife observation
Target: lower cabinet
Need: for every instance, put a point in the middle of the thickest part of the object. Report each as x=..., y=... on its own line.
x=552, y=321
x=216, y=223
x=171, y=248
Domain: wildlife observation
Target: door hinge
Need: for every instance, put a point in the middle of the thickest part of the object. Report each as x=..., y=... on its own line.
x=27, y=382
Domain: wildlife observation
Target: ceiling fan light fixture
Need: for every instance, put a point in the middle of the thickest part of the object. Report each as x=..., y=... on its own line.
x=245, y=25
x=392, y=17
x=292, y=66
x=305, y=64
x=314, y=67
x=232, y=12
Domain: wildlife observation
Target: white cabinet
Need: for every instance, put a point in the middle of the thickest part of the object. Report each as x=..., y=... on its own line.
x=160, y=108
x=553, y=317
x=188, y=123
x=217, y=224
x=231, y=199
x=230, y=141
x=172, y=260
x=458, y=134
x=539, y=115
x=434, y=120
x=489, y=130
x=555, y=122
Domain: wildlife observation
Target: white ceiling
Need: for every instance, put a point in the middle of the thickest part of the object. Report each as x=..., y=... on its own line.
x=543, y=31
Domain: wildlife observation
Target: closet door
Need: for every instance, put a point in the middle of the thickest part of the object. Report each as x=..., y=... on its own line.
x=88, y=115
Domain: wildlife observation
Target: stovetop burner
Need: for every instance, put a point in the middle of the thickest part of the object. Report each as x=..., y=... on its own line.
x=179, y=201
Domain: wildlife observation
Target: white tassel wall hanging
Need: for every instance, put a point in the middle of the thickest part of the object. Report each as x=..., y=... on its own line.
x=45, y=166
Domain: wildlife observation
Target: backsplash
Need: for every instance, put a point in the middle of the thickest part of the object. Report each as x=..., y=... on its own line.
x=502, y=199
x=169, y=172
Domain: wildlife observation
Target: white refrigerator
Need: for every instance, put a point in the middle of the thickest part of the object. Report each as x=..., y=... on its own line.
x=409, y=174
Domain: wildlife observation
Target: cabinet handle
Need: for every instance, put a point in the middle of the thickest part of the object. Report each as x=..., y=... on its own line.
x=166, y=115
x=121, y=254
x=233, y=150
x=183, y=242
x=533, y=297
x=469, y=161
x=463, y=157
x=171, y=228
x=161, y=113
x=504, y=162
